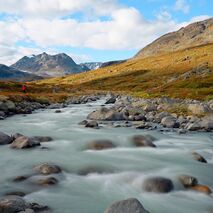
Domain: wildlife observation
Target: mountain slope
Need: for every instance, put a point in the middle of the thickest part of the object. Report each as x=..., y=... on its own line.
x=12, y=74
x=48, y=65
x=195, y=34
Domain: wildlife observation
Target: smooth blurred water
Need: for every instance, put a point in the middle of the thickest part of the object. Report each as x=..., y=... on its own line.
x=125, y=167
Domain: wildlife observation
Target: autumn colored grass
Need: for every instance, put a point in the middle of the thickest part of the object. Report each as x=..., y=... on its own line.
x=156, y=76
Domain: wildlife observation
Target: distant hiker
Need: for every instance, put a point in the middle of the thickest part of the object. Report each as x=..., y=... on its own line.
x=24, y=88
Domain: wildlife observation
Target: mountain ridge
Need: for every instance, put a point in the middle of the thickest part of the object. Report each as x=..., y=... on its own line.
x=194, y=34
x=48, y=65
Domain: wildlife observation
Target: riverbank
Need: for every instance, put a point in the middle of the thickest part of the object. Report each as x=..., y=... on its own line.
x=126, y=111
x=96, y=167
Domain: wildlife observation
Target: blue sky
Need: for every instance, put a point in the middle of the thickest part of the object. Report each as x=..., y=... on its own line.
x=91, y=30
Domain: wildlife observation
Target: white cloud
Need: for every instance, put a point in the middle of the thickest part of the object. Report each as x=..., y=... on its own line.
x=51, y=8
x=38, y=21
x=182, y=5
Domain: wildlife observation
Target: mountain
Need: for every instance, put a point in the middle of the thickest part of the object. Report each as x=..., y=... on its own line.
x=184, y=73
x=48, y=65
x=92, y=65
x=195, y=34
x=12, y=74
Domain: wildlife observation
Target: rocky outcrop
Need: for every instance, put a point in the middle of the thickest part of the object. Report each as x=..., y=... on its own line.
x=195, y=34
x=158, y=184
x=48, y=65
x=131, y=205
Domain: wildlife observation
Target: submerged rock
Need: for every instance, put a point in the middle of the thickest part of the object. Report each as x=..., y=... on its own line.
x=45, y=181
x=24, y=142
x=143, y=140
x=5, y=139
x=100, y=145
x=42, y=139
x=92, y=124
x=131, y=205
x=199, y=157
x=158, y=184
x=47, y=169
x=202, y=189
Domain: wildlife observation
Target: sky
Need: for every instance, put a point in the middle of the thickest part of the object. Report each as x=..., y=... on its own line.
x=91, y=30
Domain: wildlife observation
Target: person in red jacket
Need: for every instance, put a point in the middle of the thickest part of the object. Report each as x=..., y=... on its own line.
x=24, y=88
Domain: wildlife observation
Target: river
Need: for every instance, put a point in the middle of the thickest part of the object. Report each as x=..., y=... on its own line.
x=124, y=168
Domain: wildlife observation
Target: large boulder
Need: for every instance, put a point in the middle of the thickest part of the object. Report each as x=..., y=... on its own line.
x=13, y=204
x=7, y=106
x=143, y=140
x=106, y=115
x=169, y=122
x=5, y=139
x=47, y=169
x=100, y=145
x=188, y=181
x=130, y=205
x=199, y=109
x=158, y=184
x=24, y=142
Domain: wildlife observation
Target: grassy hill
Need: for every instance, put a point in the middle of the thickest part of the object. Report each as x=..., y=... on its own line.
x=183, y=74
x=186, y=74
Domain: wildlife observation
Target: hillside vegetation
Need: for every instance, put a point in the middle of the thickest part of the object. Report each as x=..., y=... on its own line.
x=186, y=74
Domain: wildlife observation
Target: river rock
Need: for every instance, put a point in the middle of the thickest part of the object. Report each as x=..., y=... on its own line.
x=169, y=122
x=101, y=144
x=193, y=126
x=41, y=139
x=143, y=140
x=47, y=169
x=13, y=204
x=16, y=193
x=199, y=109
x=92, y=124
x=20, y=178
x=84, y=122
x=111, y=100
x=131, y=205
x=24, y=142
x=58, y=111
x=188, y=181
x=202, y=189
x=158, y=184
x=199, y=157
x=207, y=123
x=45, y=181
x=106, y=114
x=5, y=139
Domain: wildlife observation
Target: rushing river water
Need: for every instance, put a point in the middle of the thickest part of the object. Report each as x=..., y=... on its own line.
x=125, y=166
